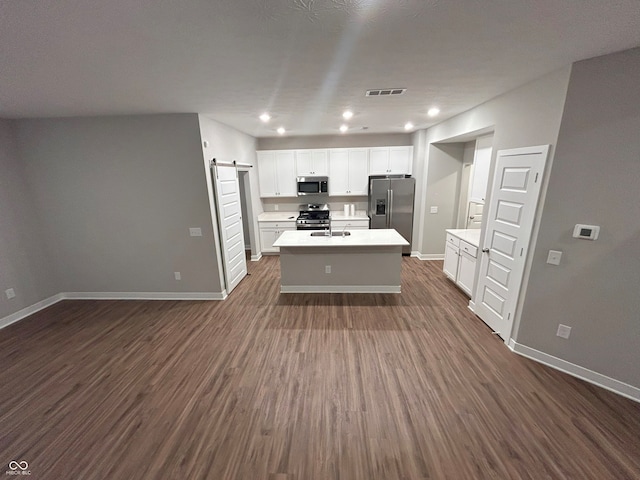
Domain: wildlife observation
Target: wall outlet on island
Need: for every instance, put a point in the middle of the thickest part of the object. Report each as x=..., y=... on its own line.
x=177, y=275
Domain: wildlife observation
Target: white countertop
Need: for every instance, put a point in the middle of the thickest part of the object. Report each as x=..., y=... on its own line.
x=278, y=216
x=358, y=238
x=469, y=235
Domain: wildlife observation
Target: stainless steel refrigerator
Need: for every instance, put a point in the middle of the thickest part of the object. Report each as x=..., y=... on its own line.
x=391, y=204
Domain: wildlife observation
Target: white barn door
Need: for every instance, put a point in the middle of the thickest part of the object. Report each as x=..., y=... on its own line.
x=227, y=190
x=514, y=196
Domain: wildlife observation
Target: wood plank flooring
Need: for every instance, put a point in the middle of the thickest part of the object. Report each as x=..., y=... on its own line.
x=298, y=387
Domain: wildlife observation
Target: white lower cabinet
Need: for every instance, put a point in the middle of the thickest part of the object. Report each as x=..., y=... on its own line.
x=270, y=232
x=460, y=263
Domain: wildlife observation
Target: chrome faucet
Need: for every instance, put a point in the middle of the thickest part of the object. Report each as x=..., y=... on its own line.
x=345, y=227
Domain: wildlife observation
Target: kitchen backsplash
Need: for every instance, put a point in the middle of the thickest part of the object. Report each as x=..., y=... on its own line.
x=336, y=204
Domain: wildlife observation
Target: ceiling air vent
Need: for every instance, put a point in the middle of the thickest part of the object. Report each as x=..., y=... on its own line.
x=384, y=92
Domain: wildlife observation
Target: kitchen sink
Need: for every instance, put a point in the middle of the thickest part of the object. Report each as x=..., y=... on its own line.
x=333, y=234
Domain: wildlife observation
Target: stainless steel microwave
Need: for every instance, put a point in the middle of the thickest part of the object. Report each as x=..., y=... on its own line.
x=313, y=186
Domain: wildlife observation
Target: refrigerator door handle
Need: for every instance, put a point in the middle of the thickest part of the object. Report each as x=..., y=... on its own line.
x=389, y=207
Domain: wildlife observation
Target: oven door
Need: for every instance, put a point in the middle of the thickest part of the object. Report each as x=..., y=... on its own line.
x=312, y=226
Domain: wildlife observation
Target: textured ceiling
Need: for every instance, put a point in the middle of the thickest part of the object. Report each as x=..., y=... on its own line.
x=304, y=61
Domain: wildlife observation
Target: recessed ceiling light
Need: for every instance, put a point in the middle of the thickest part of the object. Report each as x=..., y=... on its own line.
x=347, y=114
x=265, y=117
x=408, y=126
x=344, y=128
x=433, y=111
x=281, y=130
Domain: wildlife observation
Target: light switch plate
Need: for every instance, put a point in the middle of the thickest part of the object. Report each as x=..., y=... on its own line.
x=554, y=257
x=177, y=275
x=10, y=293
x=563, y=331
x=195, y=232
x=434, y=210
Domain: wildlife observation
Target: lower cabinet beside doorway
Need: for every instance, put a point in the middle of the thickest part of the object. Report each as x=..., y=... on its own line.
x=461, y=251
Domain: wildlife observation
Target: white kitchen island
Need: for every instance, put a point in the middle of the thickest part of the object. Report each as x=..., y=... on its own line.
x=366, y=261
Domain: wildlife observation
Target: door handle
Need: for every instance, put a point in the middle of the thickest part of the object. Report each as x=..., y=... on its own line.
x=485, y=250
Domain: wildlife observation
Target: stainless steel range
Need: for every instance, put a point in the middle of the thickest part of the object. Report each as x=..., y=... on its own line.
x=314, y=216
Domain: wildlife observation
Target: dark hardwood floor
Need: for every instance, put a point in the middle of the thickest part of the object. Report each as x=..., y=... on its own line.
x=298, y=386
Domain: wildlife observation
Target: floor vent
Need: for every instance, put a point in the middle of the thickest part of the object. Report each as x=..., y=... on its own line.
x=383, y=92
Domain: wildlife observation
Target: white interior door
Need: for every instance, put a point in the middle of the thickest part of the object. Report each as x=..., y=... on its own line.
x=230, y=224
x=514, y=196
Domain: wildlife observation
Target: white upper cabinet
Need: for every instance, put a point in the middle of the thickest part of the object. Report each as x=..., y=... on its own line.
x=312, y=163
x=277, y=173
x=481, y=166
x=390, y=160
x=348, y=167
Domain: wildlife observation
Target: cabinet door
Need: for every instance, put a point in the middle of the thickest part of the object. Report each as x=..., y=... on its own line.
x=267, y=237
x=466, y=272
x=286, y=173
x=481, y=166
x=451, y=261
x=400, y=160
x=339, y=168
x=358, y=171
x=320, y=162
x=304, y=163
x=379, y=161
x=267, y=174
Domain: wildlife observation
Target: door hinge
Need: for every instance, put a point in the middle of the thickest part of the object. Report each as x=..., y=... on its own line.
x=536, y=179
x=509, y=316
x=521, y=250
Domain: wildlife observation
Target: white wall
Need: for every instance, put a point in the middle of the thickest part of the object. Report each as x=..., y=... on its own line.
x=116, y=196
x=595, y=179
x=25, y=262
x=227, y=144
x=528, y=115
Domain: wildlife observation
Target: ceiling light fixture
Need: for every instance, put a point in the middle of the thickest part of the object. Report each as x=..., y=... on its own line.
x=281, y=130
x=347, y=114
x=265, y=117
x=344, y=128
x=408, y=126
x=433, y=111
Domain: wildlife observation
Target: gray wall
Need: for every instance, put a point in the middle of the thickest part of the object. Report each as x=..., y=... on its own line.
x=335, y=141
x=117, y=196
x=24, y=257
x=528, y=115
x=595, y=179
x=444, y=174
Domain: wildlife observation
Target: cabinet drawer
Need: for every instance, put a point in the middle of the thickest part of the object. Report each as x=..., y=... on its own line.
x=467, y=247
x=452, y=240
x=291, y=224
x=349, y=224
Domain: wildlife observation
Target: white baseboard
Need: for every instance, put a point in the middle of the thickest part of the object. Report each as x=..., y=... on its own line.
x=30, y=310
x=36, y=307
x=340, y=289
x=472, y=306
x=145, y=295
x=616, y=386
x=427, y=256
x=256, y=258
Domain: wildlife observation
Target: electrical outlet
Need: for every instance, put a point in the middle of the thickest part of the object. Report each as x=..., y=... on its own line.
x=327, y=269
x=195, y=232
x=554, y=257
x=177, y=275
x=10, y=293
x=434, y=210
x=275, y=207
x=563, y=331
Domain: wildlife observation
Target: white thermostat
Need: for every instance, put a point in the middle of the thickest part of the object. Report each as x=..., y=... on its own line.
x=587, y=232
